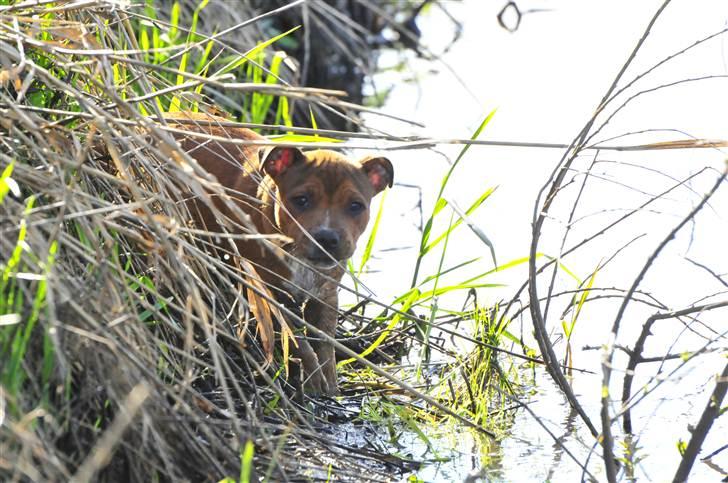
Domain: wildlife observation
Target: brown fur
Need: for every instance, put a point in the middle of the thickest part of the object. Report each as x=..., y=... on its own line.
x=270, y=185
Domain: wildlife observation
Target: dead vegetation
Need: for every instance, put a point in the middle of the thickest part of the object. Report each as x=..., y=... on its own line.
x=130, y=353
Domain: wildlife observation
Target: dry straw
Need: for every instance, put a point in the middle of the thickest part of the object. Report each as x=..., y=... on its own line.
x=129, y=351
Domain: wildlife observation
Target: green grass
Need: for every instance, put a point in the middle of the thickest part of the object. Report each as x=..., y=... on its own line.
x=158, y=309
x=425, y=244
x=577, y=303
x=246, y=464
x=171, y=51
x=22, y=299
x=7, y=183
x=136, y=320
x=471, y=383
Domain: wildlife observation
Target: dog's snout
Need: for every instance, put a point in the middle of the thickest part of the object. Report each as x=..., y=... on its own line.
x=328, y=239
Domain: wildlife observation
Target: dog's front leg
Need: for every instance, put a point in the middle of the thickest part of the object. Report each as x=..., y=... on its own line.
x=324, y=316
x=311, y=373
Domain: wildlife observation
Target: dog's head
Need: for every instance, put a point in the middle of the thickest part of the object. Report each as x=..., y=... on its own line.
x=322, y=199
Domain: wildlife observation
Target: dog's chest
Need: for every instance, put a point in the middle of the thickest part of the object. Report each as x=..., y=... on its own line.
x=303, y=282
x=306, y=284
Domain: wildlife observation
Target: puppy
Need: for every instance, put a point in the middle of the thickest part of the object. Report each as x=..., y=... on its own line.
x=318, y=199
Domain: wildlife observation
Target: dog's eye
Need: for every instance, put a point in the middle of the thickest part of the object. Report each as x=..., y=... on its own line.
x=300, y=201
x=356, y=207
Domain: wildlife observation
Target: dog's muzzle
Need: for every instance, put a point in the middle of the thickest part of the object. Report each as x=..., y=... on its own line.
x=328, y=247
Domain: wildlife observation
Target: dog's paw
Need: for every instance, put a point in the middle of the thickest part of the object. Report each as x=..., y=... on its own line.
x=333, y=389
x=316, y=385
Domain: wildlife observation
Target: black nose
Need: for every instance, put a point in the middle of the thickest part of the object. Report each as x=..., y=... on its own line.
x=328, y=239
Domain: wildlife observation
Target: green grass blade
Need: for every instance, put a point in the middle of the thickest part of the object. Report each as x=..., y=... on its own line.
x=264, y=101
x=246, y=462
x=174, y=23
x=476, y=230
x=450, y=288
x=314, y=125
x=440, y=204
x=303, y=138
x=425, y=352
x=175, y=104
x=448, y=270
x=8, y=184
x=414, y=295
x=372, y=236
x=411, y=423
x=463, y=217
x=283, y=113
x=352, y=273
x=582, y=299
x=465, y=149
x=252, y=53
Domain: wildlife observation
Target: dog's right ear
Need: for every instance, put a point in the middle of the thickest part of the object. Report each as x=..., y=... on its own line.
x=380, y=172
x=274, y=160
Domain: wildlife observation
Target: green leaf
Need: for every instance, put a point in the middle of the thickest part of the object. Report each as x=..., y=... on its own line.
x=246, y=462
x=440, y=203
x=239, y=61
x=373, y=235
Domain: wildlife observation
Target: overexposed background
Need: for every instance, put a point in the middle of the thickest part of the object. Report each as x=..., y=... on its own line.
x=546, y=79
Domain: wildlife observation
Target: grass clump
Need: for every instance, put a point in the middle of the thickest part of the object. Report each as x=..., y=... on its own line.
x=128, y=352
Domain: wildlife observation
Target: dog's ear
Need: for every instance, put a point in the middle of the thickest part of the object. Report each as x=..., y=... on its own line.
x=274, y=160
x=380, y=172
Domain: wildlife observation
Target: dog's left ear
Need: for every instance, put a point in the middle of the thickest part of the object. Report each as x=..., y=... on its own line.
x=380, y=172
x=274, y=160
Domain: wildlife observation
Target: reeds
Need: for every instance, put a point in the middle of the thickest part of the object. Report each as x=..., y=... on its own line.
x=129, y=351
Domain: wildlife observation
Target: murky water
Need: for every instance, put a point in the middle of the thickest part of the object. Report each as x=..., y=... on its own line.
x=546, y=80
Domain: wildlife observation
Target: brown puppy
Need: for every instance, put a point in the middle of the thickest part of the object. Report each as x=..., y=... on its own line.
x=318, y=199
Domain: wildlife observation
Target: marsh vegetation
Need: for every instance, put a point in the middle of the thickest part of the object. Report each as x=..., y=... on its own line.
x=130, y=351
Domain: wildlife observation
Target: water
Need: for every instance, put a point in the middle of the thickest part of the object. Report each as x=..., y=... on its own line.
x=546, y=80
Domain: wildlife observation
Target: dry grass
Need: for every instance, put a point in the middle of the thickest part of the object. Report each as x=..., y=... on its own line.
x=129, y=353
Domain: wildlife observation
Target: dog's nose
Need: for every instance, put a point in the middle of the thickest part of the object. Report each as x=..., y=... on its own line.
x=328, y=239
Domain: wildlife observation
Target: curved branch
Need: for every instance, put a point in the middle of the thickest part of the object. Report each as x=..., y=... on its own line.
x=710, y=414
x=539, y=217
x=609, y=355
x=635, y=355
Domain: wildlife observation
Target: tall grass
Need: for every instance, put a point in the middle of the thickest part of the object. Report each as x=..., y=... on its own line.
x=471, y=382
x=120, y=334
